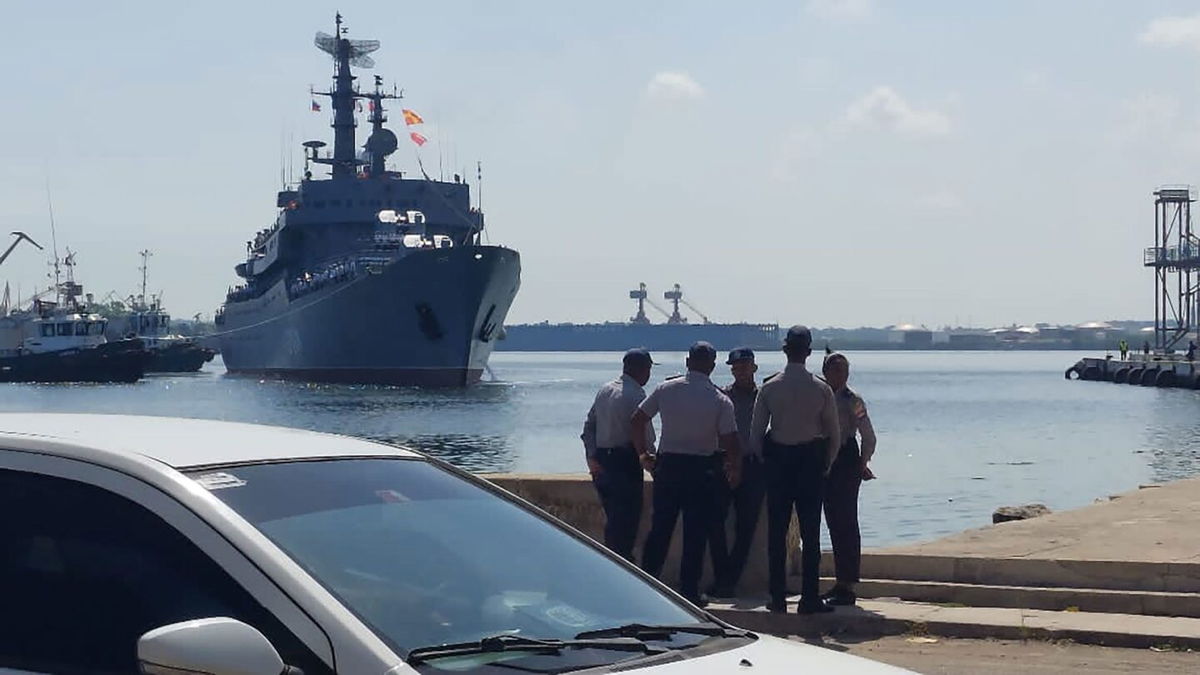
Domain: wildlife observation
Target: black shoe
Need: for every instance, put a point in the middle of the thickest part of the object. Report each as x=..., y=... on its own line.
x=842, y=599
x=818, y=607
x=777, y=606
x=722, y=592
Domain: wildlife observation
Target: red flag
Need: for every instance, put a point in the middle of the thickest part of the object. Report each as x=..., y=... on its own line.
x=417, y=138
x=316, y=107
x=411, y=117
x=371, y=105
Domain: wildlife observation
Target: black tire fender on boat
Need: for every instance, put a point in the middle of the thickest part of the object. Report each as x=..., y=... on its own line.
x=1135, y=376
x=1165, y=378
x=1076, y=370
x=1121, y=376
x=1149, y=377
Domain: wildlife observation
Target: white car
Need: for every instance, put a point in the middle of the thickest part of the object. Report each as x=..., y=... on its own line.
x=189, y=546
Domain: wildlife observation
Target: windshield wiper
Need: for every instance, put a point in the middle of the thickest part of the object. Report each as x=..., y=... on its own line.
x=507, y=642
x=643, y=631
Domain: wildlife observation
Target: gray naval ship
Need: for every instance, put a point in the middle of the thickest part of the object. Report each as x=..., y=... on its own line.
x=367, y=276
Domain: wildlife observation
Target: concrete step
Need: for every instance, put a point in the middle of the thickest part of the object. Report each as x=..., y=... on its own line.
x=1032, y=597
x=874, y=618
x=1116, y=575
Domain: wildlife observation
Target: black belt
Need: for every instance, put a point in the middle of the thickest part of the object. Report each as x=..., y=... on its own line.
x=799, y=446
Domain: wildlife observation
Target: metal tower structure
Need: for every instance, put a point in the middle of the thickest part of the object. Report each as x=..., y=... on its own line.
x=639, y=294
x=675, y=295
x=1175, y=258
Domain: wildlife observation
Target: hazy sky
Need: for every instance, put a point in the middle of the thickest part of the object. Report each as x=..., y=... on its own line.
x=847, y=162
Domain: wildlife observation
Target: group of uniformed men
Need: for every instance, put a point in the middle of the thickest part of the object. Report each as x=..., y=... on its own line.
x=793, y=440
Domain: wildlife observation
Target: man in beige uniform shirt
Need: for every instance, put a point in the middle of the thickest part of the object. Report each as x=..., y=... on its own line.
x=611, y=457
x=697, y=422
x=795, y=424
x=849, y=470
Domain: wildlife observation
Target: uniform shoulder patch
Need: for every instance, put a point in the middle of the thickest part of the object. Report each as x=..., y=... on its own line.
x=771, y=377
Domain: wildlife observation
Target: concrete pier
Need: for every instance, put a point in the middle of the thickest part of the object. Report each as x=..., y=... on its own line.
x=1124, y=572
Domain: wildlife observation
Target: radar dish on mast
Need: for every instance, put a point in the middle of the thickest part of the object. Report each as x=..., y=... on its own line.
x=358, y=49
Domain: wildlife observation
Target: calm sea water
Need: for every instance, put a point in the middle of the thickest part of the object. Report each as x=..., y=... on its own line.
x=960, y=432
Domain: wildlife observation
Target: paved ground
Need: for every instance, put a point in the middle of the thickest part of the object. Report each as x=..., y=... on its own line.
x=1154, y=524
x=988, y=657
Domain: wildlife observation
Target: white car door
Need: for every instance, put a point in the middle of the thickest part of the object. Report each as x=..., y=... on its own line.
x=95, y=555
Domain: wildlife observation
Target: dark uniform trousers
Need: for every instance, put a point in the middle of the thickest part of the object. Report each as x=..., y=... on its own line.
x=841, y=511
x=689, y=484
x=794, y=481
x=620, y=488
x=746, y=500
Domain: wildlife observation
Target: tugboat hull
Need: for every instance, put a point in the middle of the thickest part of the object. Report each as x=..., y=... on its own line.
x=180, y=357
x=428, y=319
x=120, y=361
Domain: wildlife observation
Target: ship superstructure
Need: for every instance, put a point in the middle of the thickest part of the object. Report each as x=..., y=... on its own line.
x=367, y=275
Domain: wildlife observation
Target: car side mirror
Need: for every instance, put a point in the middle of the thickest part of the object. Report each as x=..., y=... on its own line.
x=220, y=646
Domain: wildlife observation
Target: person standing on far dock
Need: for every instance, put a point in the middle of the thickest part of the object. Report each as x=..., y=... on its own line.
x=1123, y=346
x=1191, y=352
x=1146, y=348
x=849, y=470
x=611, y=458
x=795, y=424
x=697, y=423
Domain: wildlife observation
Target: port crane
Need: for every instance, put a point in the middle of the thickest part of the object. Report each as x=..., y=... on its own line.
x=675, y=295
x=643, y=299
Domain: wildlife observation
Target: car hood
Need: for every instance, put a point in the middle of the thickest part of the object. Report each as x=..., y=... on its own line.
x=770, y=655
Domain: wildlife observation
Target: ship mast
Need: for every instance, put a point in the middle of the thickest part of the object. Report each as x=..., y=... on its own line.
x=145, y=253
x=345, y=53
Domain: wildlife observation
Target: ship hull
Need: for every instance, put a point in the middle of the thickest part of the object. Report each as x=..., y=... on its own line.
x=179, y=357
x=119, y=361
x=606, y=337
x=428, y=319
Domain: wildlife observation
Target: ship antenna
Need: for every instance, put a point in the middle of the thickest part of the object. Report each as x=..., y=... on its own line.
x=479, y=183
x=145, y=253
x=53, y=237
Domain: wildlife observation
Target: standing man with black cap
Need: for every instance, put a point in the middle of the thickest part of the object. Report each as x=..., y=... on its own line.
x=611, y=457
x=697, y=422
x=796, y=427
x=746, y=499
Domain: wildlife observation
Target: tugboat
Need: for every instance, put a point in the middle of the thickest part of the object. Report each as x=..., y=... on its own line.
x=149, y=321
x=61, y=341
x=367, y=276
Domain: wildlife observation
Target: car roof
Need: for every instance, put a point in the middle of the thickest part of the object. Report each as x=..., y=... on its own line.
x=183, y=443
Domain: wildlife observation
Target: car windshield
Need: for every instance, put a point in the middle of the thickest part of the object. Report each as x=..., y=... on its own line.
x=427, y=558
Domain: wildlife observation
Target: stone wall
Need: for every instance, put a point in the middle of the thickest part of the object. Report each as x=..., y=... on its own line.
x=571, y=498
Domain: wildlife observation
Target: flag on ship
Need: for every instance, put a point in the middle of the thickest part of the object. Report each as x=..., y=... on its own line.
x=316, y=107
x=411, y=117
x=418, y=138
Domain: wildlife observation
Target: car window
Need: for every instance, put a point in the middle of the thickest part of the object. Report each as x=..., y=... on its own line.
x=425, y=557
x=84, y=573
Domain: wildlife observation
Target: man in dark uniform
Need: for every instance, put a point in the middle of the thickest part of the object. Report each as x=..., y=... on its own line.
x=697, y=422
x=611, y=458
x=795, y=425
x=746, y=499
x=850, y=469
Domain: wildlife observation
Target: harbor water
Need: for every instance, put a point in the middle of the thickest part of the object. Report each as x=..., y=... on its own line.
x=960, y=433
